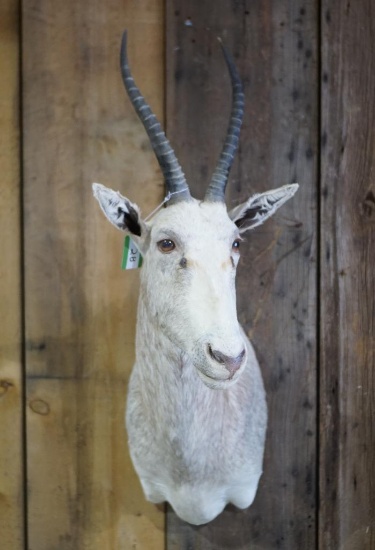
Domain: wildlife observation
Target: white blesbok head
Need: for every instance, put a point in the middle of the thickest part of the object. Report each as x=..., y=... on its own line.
x=191, y=445
x=191, y=248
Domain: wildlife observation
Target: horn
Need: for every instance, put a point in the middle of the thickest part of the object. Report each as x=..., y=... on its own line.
x=216, y=189
x=175, y=180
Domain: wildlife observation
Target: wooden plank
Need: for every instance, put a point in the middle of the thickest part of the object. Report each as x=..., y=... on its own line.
x=347, y=464
x=80, y=307
x=11, y=444
x=275, y=47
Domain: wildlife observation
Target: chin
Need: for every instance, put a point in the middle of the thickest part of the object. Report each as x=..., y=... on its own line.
x=217, y=383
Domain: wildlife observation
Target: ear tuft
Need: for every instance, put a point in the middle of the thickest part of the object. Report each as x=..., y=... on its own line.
x=260, y=207
x=118, y=209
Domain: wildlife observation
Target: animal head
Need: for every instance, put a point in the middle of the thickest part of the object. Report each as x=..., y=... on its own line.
x=191, y=248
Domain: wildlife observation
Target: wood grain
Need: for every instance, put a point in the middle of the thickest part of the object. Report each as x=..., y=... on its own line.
x=11, y=413
x=80, y=308
x=347, y=465
x=275, y=47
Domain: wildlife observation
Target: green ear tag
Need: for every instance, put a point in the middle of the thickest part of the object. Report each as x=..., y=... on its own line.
x=132, y=258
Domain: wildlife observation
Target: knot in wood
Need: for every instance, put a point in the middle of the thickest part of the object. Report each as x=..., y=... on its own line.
x=40, y=407
x=368, y=206
x=4, y=386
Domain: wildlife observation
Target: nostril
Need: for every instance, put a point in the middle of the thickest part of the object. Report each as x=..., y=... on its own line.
x=240, y=357
x=242, y=354
x=216, y=355
x=232, y=364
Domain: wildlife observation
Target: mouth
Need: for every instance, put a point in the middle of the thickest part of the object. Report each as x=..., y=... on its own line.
x=218, y=383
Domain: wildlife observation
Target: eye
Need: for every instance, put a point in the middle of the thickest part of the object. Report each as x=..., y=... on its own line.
x=236, y=245
x=166, y=246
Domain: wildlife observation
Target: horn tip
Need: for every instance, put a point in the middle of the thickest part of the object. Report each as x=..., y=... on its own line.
x=124, y=41
x=293, y=187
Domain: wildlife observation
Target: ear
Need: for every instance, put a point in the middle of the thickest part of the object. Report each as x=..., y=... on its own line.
x=118, y=209
x=260, y=207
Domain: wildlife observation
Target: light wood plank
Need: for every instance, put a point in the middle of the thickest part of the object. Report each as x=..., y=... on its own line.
x=347, y=465
x=80, y=307
x=275, y=47
x=11, y=445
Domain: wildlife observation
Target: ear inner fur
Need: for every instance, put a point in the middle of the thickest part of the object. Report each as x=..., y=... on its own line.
x=131, y=221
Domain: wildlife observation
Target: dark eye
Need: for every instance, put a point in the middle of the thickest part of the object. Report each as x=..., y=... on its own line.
x=166, y=246
x=236, y=245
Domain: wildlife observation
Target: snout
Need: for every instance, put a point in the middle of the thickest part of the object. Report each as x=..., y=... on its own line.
x=221, y=369
x=232, y=364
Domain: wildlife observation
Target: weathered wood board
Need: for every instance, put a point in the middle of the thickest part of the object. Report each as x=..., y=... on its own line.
x=79, y=316
x=11, y=412
x=275, y=47
x=347, y=391
x=80, y=308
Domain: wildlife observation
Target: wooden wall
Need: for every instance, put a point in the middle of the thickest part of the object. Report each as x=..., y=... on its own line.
x=305, y=284
x=12, y=481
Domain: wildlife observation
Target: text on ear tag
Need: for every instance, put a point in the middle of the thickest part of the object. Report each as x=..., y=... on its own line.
x=132, y=258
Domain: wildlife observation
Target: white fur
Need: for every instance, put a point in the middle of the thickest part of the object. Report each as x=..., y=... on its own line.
x=196, y=430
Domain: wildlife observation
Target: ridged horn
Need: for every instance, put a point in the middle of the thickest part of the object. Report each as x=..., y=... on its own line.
x=175, y=180
x=216, y=189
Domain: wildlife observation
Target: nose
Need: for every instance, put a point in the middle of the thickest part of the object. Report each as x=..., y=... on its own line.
x=232, y=364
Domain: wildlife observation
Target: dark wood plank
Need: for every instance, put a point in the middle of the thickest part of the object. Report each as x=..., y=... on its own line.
x=11, y=402
x=80, y=307
x=347, y=465
x=275, y=47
